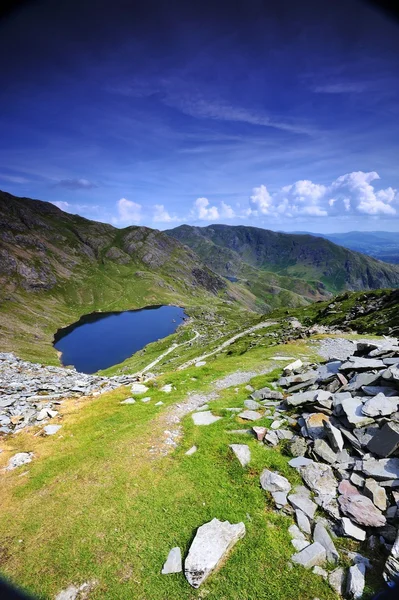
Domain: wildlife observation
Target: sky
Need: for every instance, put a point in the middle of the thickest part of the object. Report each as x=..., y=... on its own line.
x=282, y=115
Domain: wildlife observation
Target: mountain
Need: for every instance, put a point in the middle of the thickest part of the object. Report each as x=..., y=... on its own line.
x=383, y=245
x=55, y=267
x=248, y=253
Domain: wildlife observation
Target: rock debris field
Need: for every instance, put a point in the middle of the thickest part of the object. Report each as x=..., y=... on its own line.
x=340, y=420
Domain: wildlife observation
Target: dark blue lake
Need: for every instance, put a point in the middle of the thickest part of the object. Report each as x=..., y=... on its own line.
x=100, y=340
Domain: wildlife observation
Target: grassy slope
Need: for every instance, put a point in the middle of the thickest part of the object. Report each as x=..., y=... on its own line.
x=95, y=503
x=317, y=261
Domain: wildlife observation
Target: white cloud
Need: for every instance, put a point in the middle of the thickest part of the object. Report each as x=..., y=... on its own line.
x=352, y=193
x=203, y=211
x=161, y=215
x=129, y=212
x=65, y=206
x=227, y=211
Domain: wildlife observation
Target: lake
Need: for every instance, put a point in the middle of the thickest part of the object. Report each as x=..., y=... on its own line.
x=100, y=340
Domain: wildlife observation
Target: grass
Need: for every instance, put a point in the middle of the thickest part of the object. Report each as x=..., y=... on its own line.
x=97, y=504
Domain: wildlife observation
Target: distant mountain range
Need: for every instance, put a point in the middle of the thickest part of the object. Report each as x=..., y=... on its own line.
x=255, y=255
x=383, y=245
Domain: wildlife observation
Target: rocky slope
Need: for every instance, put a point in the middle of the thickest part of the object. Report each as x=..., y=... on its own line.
x=54, y=267
x=324, y=266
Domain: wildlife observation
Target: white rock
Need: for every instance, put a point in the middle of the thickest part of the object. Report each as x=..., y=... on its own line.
x=300, y=461
x=76, y=593
x=297, y=364
x=319, y=571
x=303, y=521
x=352, y=407
x=51, y=429
x=42, y=415
x=167, y=388
x=274, y=482
x=352, y=530
x=173, y=563
x=356, y=581
x=200, y=363
x=160, y=403
x=22, y=458
x=191, y=451
x=128, y=401
x=250, y=415
x=204, y=418
x=336, y=579
x=146, y=399
x=242, y=452
x=210, y=547
x=299, y=544
x=139, y=388
x=301, y=502
x=334, y=436
x=312, y=555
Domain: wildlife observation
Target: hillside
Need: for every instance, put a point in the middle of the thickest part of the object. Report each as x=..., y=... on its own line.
x=383, y=245
x=54, y=267
x=321, y=264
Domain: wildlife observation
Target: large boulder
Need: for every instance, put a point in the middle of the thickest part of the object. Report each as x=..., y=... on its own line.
x=212, y=543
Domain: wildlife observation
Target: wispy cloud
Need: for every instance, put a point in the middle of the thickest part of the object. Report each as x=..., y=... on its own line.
x=76, y=184
x=129, y=212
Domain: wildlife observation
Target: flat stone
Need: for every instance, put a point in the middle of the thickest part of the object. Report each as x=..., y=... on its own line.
x=242, y=452
x=320, y=478
x=274, y=482
x=203, y=407
x=173, y=563
x=300, y=544
x=361, y=510
x=200, y=363
x=22, y=458
x=146, y=399
x=362, y=379
x=366, y=434
x=160, y=403
x=315, y=425
x=309, y=557
x=212, y=542
x=252, y=404
x=301, y=398
x=334, y=436
x=250, y=415
x=301, y=502
x=324, y=398
x=352, y=530
x=374, y=390
x=356, y=363
x=271, y=438
x=336, y=579
x=51, y=429
x=391, y=374
x=319, y=571
x=386, y=468
x=266, y=394
x=138, y=388
x=380, y=405
x=352, y=408
x=303, y=521
x=41, y=415
x=299, y=461
x=347, y=489
x=167, y=388
x=294, y=366
x=280, y=499
x=356, y=581
x=325, y=452
x=321, y=536
x=357, y=480
x=386, y=441
x=376, y=493
x=260, y=432
x=298, y=446
x=277, y=424
x=204, y=418
x=191, y=451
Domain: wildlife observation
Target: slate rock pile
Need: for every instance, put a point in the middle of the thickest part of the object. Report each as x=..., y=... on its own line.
x=30, y=393
x=344, y=436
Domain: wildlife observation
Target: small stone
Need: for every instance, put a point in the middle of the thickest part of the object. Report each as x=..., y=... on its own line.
x=138, y=388
x=299, y=461
x=204, y=418
x=173, y=563
x=315, y=425
x=361, y=364
x=146, y=399
x=386, y=468
x=51, y=429
x=294, y=366
x=200, y=363
x=276, y=424
x=191, y=451
x=352, y=408
x=271, y=438
x=42, y=415
x=303, y=521
x=319, y=571
x=356, y=581
x=376, y=493
x=325, y=452
x=309, y=557
x=22, y=458
x=334, y=436
x=298, y=446
x=301, y=502
x=167, y=388
x=357, y=480
x=386, y=441
x=280, y=499
x=274, y=482
x=301, y=398
x=321, y=536
x=128, y=401
x=260, y=432
x=320, y=478
x=160, y=403
x=211, y=544
x=252, y=404
x=300, y=544
x=250, y=415
x=361, y=510
x=380, y=405
x=352, y=530
x=242, y=453
x=336, y=579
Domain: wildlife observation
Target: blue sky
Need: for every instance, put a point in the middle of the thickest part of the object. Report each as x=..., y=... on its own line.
x=279, y=115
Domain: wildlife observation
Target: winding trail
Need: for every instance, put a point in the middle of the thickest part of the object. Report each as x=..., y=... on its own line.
x=168, y=351
x=226, y=343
